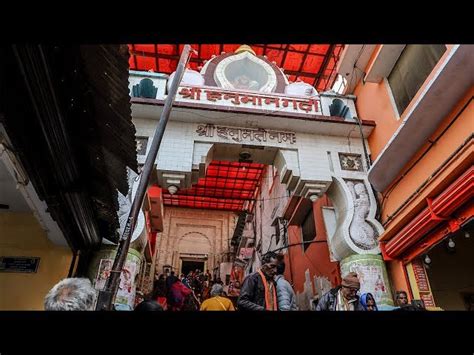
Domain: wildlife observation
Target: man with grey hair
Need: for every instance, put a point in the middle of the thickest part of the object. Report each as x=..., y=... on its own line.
x=72, y=294
x=217, y=302
x=258, y=293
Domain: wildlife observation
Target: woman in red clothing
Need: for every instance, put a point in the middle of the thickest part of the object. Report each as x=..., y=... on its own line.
x=177, y=293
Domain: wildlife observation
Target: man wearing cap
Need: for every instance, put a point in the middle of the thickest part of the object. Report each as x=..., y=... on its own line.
x=343, y=297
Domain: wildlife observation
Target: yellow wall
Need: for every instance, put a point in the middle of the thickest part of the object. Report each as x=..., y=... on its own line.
x=22, y=235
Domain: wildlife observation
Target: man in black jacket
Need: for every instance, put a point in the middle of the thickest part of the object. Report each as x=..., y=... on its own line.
x=258, y=292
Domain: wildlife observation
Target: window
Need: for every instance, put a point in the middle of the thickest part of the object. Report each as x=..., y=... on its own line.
x=308, y=229
x=411, y=70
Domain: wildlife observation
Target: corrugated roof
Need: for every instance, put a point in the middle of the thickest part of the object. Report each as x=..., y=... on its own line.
x=226, y=186
x=311, y=63
x=68, y=114
x=106, y=69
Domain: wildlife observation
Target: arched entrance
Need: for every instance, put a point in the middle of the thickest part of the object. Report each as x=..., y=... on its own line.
x=193, y=249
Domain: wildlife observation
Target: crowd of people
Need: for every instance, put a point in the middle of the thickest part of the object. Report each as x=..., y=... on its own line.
x=266, y=289
x=186, y=292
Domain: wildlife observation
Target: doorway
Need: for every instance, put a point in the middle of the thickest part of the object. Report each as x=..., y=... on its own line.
x=451, y=271
x=191, y=265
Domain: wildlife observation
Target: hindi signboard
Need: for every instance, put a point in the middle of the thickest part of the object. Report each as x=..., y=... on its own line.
x=422, y=282
x=255, y=100
x=420, y=276
x=246, y=134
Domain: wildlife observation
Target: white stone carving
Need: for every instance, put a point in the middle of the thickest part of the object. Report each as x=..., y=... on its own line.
x=357, y=229
x=361, y=232
x=125, y=206
x=351, y=162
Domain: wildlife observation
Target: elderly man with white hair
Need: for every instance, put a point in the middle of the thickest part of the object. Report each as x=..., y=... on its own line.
x=217, y=302
x=72, y=294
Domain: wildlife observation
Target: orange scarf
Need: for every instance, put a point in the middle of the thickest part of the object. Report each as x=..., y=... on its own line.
x=267, y=294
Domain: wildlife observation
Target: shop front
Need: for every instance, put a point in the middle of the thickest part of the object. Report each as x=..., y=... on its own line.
x=435, y=249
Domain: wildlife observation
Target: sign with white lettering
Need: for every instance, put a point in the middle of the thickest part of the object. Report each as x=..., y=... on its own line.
x=267, y=102
x=422, y=282
x=19, y=264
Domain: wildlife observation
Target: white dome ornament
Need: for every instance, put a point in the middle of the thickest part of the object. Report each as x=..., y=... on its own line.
x=190, y=77
x=300, y=88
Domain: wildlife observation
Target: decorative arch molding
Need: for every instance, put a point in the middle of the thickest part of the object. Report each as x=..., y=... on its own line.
x=200, y=245
x=209, y=69
x=268, y=81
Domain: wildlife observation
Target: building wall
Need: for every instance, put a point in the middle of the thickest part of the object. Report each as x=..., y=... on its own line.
x=182, y=149
x=405, y=198
x=302, y=267
x=272, y=200
x=374, y=102
x=316, y=258
x=461, y=119
x=21, y=235
x=398, y=277
x=198, y=231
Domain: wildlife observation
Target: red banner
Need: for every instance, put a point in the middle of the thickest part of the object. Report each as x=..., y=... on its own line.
x=420, y=276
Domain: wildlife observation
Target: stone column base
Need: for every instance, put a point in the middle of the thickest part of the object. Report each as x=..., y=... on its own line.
x=372, y=275
x=99, y=269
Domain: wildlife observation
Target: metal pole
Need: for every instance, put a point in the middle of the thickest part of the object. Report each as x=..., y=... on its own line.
x=106, y=296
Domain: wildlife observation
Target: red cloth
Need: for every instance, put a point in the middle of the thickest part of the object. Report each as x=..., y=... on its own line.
x=162, y=301
x=179, y=292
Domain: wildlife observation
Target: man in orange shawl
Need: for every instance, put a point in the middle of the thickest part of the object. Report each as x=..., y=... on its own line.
x=258, y=292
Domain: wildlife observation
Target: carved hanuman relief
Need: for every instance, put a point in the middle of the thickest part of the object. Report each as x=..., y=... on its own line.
x=361, y=232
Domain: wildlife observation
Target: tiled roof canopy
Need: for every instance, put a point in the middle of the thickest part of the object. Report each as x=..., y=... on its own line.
x=311, y=63
x=226, y=186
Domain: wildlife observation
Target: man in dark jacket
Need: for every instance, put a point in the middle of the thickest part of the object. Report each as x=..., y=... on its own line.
x=258, y=292
x=342, y=298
